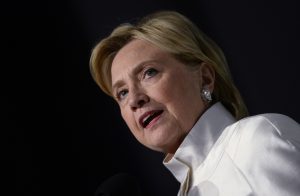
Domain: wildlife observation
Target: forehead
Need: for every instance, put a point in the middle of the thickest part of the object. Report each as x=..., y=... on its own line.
x=133, y=54
x=137, y=50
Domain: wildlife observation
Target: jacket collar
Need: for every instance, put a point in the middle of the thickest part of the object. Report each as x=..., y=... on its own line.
x=198, y=143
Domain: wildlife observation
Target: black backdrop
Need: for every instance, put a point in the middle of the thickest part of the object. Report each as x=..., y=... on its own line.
x=62, y=135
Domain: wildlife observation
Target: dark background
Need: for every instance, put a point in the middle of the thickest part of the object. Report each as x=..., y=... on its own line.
x=60, y=135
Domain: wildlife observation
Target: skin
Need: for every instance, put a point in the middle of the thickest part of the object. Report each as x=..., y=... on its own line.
x=146, y=79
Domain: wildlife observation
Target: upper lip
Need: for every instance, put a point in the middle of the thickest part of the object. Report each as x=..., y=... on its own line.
x=143, y=116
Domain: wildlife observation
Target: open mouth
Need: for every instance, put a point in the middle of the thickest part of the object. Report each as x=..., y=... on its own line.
x=149, y=117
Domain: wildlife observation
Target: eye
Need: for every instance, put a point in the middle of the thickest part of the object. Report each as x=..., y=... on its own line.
x=122, y=94
x=150, y=73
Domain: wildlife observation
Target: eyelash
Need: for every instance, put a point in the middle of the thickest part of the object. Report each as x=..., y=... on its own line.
x=119, y=94
x=148, y=73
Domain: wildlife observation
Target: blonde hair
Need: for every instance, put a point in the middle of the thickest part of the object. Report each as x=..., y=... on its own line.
x=177, y=35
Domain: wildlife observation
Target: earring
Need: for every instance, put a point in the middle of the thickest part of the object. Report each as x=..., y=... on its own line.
x=206, y=95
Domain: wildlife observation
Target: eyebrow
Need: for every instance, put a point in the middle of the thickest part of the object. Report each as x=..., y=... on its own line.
x=134, y=71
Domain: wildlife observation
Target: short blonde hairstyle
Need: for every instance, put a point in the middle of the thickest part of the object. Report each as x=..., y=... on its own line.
x=177, y=35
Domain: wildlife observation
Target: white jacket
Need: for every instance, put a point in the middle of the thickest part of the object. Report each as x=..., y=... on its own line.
x=257, y=156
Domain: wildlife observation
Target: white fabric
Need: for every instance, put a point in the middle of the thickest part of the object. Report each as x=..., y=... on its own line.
x=256, y=156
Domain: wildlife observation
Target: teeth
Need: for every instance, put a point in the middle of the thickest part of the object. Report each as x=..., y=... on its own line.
x=145, y=119
x=150, y=117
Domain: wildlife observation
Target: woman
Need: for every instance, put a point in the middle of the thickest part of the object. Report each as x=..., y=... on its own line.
x=176, y=95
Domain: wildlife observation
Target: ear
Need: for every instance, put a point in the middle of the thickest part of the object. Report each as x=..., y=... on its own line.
x=207, y=75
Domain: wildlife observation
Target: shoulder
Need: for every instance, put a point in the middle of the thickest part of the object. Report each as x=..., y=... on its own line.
x=266, y=148
x=262, y=134
x=264, y=125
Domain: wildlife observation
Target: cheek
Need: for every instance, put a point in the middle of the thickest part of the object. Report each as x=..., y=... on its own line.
x=182, y=100
x=171, y=99
x=129, y=120
x=171, y=92
x=126, y=116
x=165, y=91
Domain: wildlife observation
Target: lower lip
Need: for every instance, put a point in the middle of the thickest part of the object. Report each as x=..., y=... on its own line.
x=153, y=121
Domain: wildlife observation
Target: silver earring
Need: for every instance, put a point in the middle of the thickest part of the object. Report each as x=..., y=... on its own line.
x=206, y=95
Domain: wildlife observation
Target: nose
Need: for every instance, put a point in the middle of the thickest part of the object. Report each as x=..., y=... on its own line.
x=138, y=100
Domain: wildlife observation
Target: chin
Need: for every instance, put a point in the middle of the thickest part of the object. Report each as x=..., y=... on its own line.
x=163, y=144
x=162, y=139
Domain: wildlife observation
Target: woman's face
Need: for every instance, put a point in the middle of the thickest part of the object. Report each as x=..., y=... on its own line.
x=159, y=96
